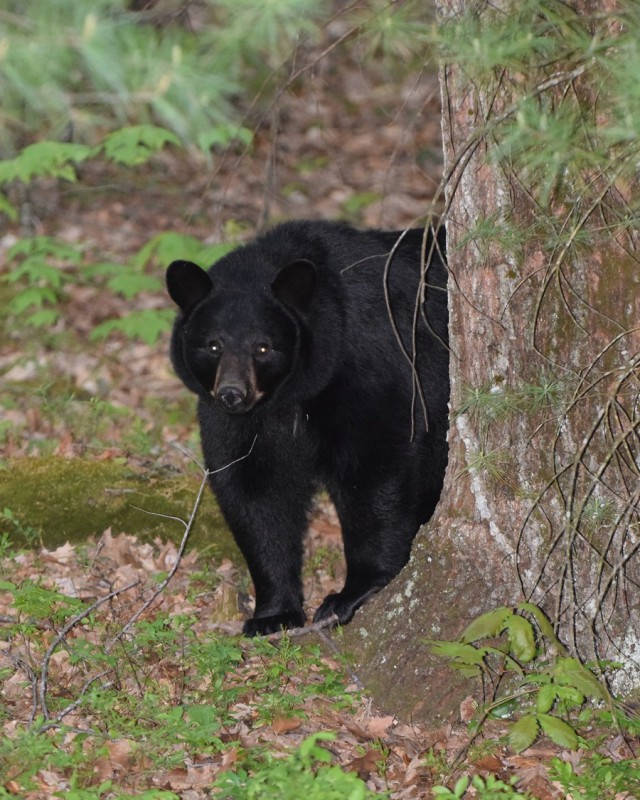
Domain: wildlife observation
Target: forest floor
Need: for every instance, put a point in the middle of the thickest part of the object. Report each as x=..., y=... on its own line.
x=350, y=146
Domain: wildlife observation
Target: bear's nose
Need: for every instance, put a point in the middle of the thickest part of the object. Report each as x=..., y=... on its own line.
x=231, y=397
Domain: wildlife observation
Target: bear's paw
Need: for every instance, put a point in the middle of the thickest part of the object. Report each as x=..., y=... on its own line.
x=263, y=626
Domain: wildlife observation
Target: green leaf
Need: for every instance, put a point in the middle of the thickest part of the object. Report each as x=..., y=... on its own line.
x=147, y=324
x=546, y=698
x=8, y=208
x=465, y=654
x=222, y=136
x=546, y=628
x=133, y=283
x=167, y=247
x=504, y=710
x=523, y=733
x=570, y=672
x=36, y=251
x=522, y=638
x=559, y=731
x=32, y=297
x=310, y=751
x=570, y=695
x=45, y=160
x=43, y=318
x=37, y=271
x=136, y=144
x=487, y=626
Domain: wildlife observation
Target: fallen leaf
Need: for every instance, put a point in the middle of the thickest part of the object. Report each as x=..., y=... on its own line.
x=468, y=709
x=284, y=724
x=117, y=760
x=489, y=763
x=62, y=555
x=415, y=771
x=229, y=757
x=378, y=725
x=365, y=765
x=193, y=776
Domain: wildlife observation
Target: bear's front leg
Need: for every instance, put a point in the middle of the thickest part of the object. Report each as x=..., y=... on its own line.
x=267, y=512
x=377, y=535
x=275, y=565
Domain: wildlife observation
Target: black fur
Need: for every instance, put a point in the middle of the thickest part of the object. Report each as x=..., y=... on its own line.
x=287, y=341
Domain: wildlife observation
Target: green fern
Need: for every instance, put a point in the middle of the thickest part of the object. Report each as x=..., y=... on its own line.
x=146, y=324
x=107, y=68
x=45, y=160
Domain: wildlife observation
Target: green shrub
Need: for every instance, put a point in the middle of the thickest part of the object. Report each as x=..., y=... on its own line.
x=304, y=774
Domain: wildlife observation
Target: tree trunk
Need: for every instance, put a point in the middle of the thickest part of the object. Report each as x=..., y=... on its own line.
x=541, y=495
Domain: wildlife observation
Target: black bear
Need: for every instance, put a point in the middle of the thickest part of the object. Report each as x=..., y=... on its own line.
x=319, y=356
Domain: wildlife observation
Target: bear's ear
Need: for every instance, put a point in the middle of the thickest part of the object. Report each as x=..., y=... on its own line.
x=187, y=284
x=294, y=284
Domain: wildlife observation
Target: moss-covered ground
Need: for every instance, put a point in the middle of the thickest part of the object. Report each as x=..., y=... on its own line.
x=53, y=499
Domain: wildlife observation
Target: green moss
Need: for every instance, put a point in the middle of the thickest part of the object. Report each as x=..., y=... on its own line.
x=72, y=499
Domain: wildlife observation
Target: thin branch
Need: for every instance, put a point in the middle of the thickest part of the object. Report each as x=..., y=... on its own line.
x=55, y=723
x=42, y=691
x=188, y=526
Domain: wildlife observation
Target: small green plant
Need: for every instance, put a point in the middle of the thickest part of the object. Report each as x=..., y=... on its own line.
x=490, y=789
x=487, y=403
x=44, y=160
x=128, y=280
x=129, y=146
x=497, y=230
x=22, y=757
x=29, y=535
x=494, y=462
x=285, y=679
x=35, y=602
x=597, y=777
x=544, y=683
x=436, y=762
x=40, y=268
x=305, y=773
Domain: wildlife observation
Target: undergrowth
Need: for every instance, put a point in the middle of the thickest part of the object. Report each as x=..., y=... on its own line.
x=83, y=694
x=527, y=675
x=532, y=685
x=102, y=703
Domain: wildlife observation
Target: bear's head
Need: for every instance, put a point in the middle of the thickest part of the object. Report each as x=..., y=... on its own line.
x=238, y=342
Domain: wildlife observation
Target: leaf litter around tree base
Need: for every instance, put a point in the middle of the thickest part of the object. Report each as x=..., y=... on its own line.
x=182, y=698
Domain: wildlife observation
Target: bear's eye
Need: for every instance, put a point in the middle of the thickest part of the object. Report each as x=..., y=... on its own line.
x=215, y=347
x=262, y=349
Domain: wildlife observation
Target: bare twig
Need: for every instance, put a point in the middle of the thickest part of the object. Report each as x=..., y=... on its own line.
x=72, y=706
x=188, y=525
x=42, y=689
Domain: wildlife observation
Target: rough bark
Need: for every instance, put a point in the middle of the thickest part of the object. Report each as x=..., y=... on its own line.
x=512, y=523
